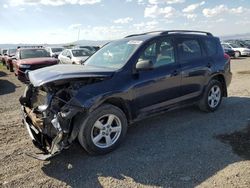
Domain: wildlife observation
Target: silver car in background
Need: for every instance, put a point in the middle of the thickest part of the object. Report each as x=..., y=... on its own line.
x=54, y=51
x=74, y=56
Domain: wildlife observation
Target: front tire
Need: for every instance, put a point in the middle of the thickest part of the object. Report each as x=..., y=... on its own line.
x=212, y=97
x=103, y=130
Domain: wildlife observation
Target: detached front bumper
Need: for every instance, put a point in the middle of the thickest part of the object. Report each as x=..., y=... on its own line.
x=40, y=140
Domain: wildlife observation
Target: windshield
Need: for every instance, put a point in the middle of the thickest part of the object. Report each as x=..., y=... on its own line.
x=114, y=55
x=81, y=52
x=12, y=51
x=54, y=50
x=33, y=53
x=225, y=46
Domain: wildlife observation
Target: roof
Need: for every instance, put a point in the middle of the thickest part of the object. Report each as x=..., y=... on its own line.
x=170, y=32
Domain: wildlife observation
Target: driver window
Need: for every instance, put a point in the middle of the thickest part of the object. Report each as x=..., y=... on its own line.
x=166, y=53
x=161, y=53
x=149, y=53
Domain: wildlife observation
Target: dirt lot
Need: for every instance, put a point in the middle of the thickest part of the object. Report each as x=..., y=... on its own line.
x=182, y=148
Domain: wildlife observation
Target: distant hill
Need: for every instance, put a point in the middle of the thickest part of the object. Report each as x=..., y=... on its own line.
x=102, y=42
x=243, y=36
x=90, y=42
x=80, y=42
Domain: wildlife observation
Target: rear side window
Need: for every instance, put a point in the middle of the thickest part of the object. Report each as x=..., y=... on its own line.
x=189, y=49
x=211, y=47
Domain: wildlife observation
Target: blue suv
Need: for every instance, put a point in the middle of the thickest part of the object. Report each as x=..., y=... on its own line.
x=125, y=81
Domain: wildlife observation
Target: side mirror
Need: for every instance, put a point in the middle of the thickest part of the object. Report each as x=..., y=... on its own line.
x=69, y=56
x=144, y=65
x=5, y=54
x=13, y=58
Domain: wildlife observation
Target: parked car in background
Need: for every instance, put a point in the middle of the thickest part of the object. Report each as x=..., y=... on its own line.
x=3, y=54
x=54, y=51
x=92, y=49
x=229, y=51
x=74, y=56
x=9, y=57
x=239, y=51
x=125, y=81
x=241, y=43
x=31, y=58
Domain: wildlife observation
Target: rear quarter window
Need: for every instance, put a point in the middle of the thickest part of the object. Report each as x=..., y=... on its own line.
x=189, y=49
x=211, y=47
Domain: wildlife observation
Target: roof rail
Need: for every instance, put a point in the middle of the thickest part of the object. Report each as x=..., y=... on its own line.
x=29, y=47
x=186, y=31
x=171, y=31
x=150, y=32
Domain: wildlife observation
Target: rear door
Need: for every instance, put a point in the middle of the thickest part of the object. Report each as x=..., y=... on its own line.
x=195, y=66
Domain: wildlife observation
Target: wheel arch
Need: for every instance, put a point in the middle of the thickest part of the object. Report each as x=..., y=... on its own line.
x=221, y=79
x=80, y=117
x=120, y=103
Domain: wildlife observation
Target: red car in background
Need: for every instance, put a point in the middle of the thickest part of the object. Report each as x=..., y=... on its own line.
x=8, y=58
x=3, y=54
x=31, y=58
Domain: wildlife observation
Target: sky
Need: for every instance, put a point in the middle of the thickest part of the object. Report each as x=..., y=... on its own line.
x=63, y=21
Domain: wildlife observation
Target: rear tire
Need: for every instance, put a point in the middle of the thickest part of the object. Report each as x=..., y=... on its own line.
x=212, y=96
x=103, y=130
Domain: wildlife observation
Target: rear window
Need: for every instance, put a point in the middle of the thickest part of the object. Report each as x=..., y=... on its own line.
x=211, y=47
x=54, y=50
x=189, y=49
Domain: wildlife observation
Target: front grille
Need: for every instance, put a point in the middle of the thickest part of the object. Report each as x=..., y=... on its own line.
x=38, y=66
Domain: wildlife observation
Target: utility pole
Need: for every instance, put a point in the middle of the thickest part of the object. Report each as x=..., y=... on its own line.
x=79, y=31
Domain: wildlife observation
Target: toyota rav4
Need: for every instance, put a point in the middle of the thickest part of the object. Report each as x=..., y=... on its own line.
x=125, y=81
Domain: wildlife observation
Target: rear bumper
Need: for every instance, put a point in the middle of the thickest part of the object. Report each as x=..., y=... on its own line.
x=228, y=78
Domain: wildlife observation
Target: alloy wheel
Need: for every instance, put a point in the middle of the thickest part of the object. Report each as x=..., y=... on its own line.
x=214, y=96
x=106, y=131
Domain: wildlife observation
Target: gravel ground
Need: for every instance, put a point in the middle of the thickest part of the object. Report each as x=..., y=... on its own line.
x=178, y=149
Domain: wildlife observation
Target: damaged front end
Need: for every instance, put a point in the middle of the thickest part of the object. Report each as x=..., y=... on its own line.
x=48, y=112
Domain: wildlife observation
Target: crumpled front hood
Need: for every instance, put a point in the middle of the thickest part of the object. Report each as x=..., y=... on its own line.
x=64, y=72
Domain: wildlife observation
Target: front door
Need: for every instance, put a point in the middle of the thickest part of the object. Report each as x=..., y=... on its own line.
x=157, y=88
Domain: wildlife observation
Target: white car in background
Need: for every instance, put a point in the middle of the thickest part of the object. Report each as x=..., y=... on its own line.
x=74, y=56
x=54, y=51
x=239, y=51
